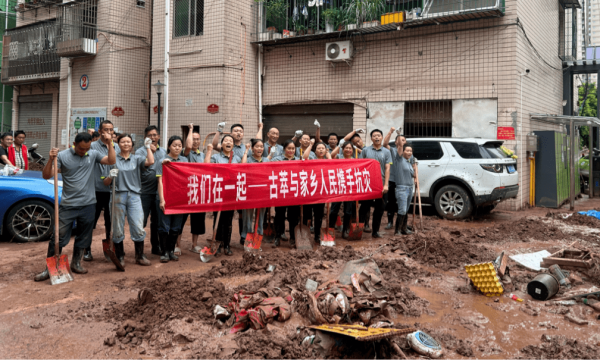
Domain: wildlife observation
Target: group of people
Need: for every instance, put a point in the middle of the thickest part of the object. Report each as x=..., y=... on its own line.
x=89, y=169
x=13, y=150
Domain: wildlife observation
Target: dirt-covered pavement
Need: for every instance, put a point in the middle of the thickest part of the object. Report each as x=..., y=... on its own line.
x=98, y=315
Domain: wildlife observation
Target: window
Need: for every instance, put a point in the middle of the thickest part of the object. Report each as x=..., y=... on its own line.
x=467, y=150
x=428, y=119
x=189, y=18
x=427, y=150
x=141, y=3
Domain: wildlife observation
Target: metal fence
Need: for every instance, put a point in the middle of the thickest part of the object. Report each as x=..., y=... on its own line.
x=291, y=18
x=428, y=119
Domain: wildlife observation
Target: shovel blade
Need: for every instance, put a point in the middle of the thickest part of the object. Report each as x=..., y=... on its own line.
x=59, y=269
x=253, y=242
x=356, y=231
x=327, y=237
x=113, y=257
x=206, y=254
x=268, y=232
x=302, y=233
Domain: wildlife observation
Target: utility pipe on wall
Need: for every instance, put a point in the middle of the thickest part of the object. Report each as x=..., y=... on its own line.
x=260, y=60
x=522, y=167
x=69, y=80
x=166, y=76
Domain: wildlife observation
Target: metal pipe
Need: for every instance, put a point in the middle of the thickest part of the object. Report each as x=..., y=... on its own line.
x=69, y=80
x=260, y=65
x=591, y=162
x=166, y=73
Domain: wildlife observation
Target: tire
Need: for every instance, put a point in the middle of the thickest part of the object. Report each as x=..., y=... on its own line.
x=453, y=202
x=30, y=220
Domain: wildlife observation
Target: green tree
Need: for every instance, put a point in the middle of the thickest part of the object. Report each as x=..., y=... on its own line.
x=590, y=108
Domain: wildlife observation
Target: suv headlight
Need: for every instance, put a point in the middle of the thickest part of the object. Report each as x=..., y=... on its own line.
x=495, y=168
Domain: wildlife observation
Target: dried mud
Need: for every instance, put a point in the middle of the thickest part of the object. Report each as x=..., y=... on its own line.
x=560, y=347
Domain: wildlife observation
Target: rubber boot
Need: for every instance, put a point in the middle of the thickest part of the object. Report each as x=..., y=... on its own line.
x=87, y=255
x=277, y=241
x=140, y=258
x=399, y=223
x=346, y=226
x=367, y=228
x=162, y=240
x=292, y=242
x=45, y=275
x=76, y=261
x=390, y=221
x=119, y=251
x=172, y=242
x=227, y=250
x=404, y=228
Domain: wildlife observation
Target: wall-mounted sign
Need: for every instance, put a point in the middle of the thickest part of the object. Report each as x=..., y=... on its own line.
x=506, y=133
x=84, y=82
x=213, y=108
x=118, y=111
x=90, y=116
x=156, y=109
x=77, y=123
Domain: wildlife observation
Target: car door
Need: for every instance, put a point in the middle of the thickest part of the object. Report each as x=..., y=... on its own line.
x=432, y=163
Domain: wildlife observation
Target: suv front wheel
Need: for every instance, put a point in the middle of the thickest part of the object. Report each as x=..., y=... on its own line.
x=453, y=202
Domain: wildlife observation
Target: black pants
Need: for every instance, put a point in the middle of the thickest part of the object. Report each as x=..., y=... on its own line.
x=318, y=211
x=103, y=203
x=349, y=210
x=197, y=223
x=293, y=215
x=240, y=222
x=150, y=205
x=392, y=205
x=379, y=205
x=224, y=227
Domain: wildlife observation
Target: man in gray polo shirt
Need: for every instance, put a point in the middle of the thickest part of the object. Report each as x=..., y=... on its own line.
x=271, y=145
x=150, y=186
x=102, y=191
x=78, y=201
x=384, y=157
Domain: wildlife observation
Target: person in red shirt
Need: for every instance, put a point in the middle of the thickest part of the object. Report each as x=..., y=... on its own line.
x=17, y=153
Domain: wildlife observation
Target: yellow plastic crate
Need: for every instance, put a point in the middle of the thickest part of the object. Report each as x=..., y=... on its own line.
x=393, y=18
x=485, y=278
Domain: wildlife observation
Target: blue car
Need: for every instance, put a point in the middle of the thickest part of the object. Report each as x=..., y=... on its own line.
x=27, y=206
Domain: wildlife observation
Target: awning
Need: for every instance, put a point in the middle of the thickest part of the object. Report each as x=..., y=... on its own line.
x=566, y=119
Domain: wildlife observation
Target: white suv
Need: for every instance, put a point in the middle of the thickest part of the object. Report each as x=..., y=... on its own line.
x=457, y=175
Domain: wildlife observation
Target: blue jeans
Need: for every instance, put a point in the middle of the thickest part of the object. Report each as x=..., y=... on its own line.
x=130, y=204
x=168, y=223
x=249, y=225
x=403, y=196
x=84, y=215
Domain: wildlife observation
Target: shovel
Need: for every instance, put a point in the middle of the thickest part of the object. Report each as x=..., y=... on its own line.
x=302, y=233
x=107, y=246
x=328, y=234
x=208, y=252
x=58, y=265
x=254, y=239
x=356, y=229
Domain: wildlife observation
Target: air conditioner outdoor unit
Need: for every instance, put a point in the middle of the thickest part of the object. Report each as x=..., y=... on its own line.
x=339, y=51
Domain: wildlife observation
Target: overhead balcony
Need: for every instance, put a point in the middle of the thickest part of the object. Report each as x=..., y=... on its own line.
x=29, y=54
x=78, y=29
x=281, y=22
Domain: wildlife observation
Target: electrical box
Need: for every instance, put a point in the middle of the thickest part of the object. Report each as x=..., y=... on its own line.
x=532, y=143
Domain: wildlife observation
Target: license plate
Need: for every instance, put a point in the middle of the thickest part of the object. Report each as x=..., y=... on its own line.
x=510, y=168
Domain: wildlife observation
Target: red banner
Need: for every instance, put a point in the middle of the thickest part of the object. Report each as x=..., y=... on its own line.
x=193, y=188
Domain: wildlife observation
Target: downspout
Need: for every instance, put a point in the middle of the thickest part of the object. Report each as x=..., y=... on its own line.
x=260, y=65
x=69, y=80
x=166, y=76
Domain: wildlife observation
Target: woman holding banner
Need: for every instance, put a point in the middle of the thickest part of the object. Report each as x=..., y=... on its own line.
x=223, y=228
x=169, y=226
x=293, y=212
x=348, y=152
x=257, y=148
x=321, y=153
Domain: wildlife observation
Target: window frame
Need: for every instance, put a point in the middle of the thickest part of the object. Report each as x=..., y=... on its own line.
x=192, y=19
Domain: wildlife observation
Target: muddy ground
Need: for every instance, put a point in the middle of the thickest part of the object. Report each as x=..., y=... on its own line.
x=99, y=316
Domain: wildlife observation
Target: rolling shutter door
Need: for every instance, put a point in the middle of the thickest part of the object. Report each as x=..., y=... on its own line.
x=334, y=118
x=35, y=118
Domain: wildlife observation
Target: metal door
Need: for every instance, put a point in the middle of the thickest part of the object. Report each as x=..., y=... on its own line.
x=35, y=118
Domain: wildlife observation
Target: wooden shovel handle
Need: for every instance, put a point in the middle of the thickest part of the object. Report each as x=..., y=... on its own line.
x=56, y=228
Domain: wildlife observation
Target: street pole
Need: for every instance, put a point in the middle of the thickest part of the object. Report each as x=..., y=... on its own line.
x=166, y=89
x=572, y=165
x=158, y=111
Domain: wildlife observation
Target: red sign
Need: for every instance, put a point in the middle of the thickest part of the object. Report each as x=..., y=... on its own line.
x=213, y=108
x=506, y=133
x=118, y=111
x=193, y=188
x=156, y=109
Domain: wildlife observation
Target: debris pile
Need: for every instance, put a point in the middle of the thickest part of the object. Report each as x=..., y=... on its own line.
x=560, y=347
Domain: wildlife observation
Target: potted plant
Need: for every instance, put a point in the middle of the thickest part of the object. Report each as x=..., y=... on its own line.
x=365, y=10
x=276, y=10
x=331, y=17
x=301, y=29
x=311, y=27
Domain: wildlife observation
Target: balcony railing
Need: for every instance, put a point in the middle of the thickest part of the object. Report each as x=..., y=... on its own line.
x=283, y=21
x=29, y=54
x=78, y=28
